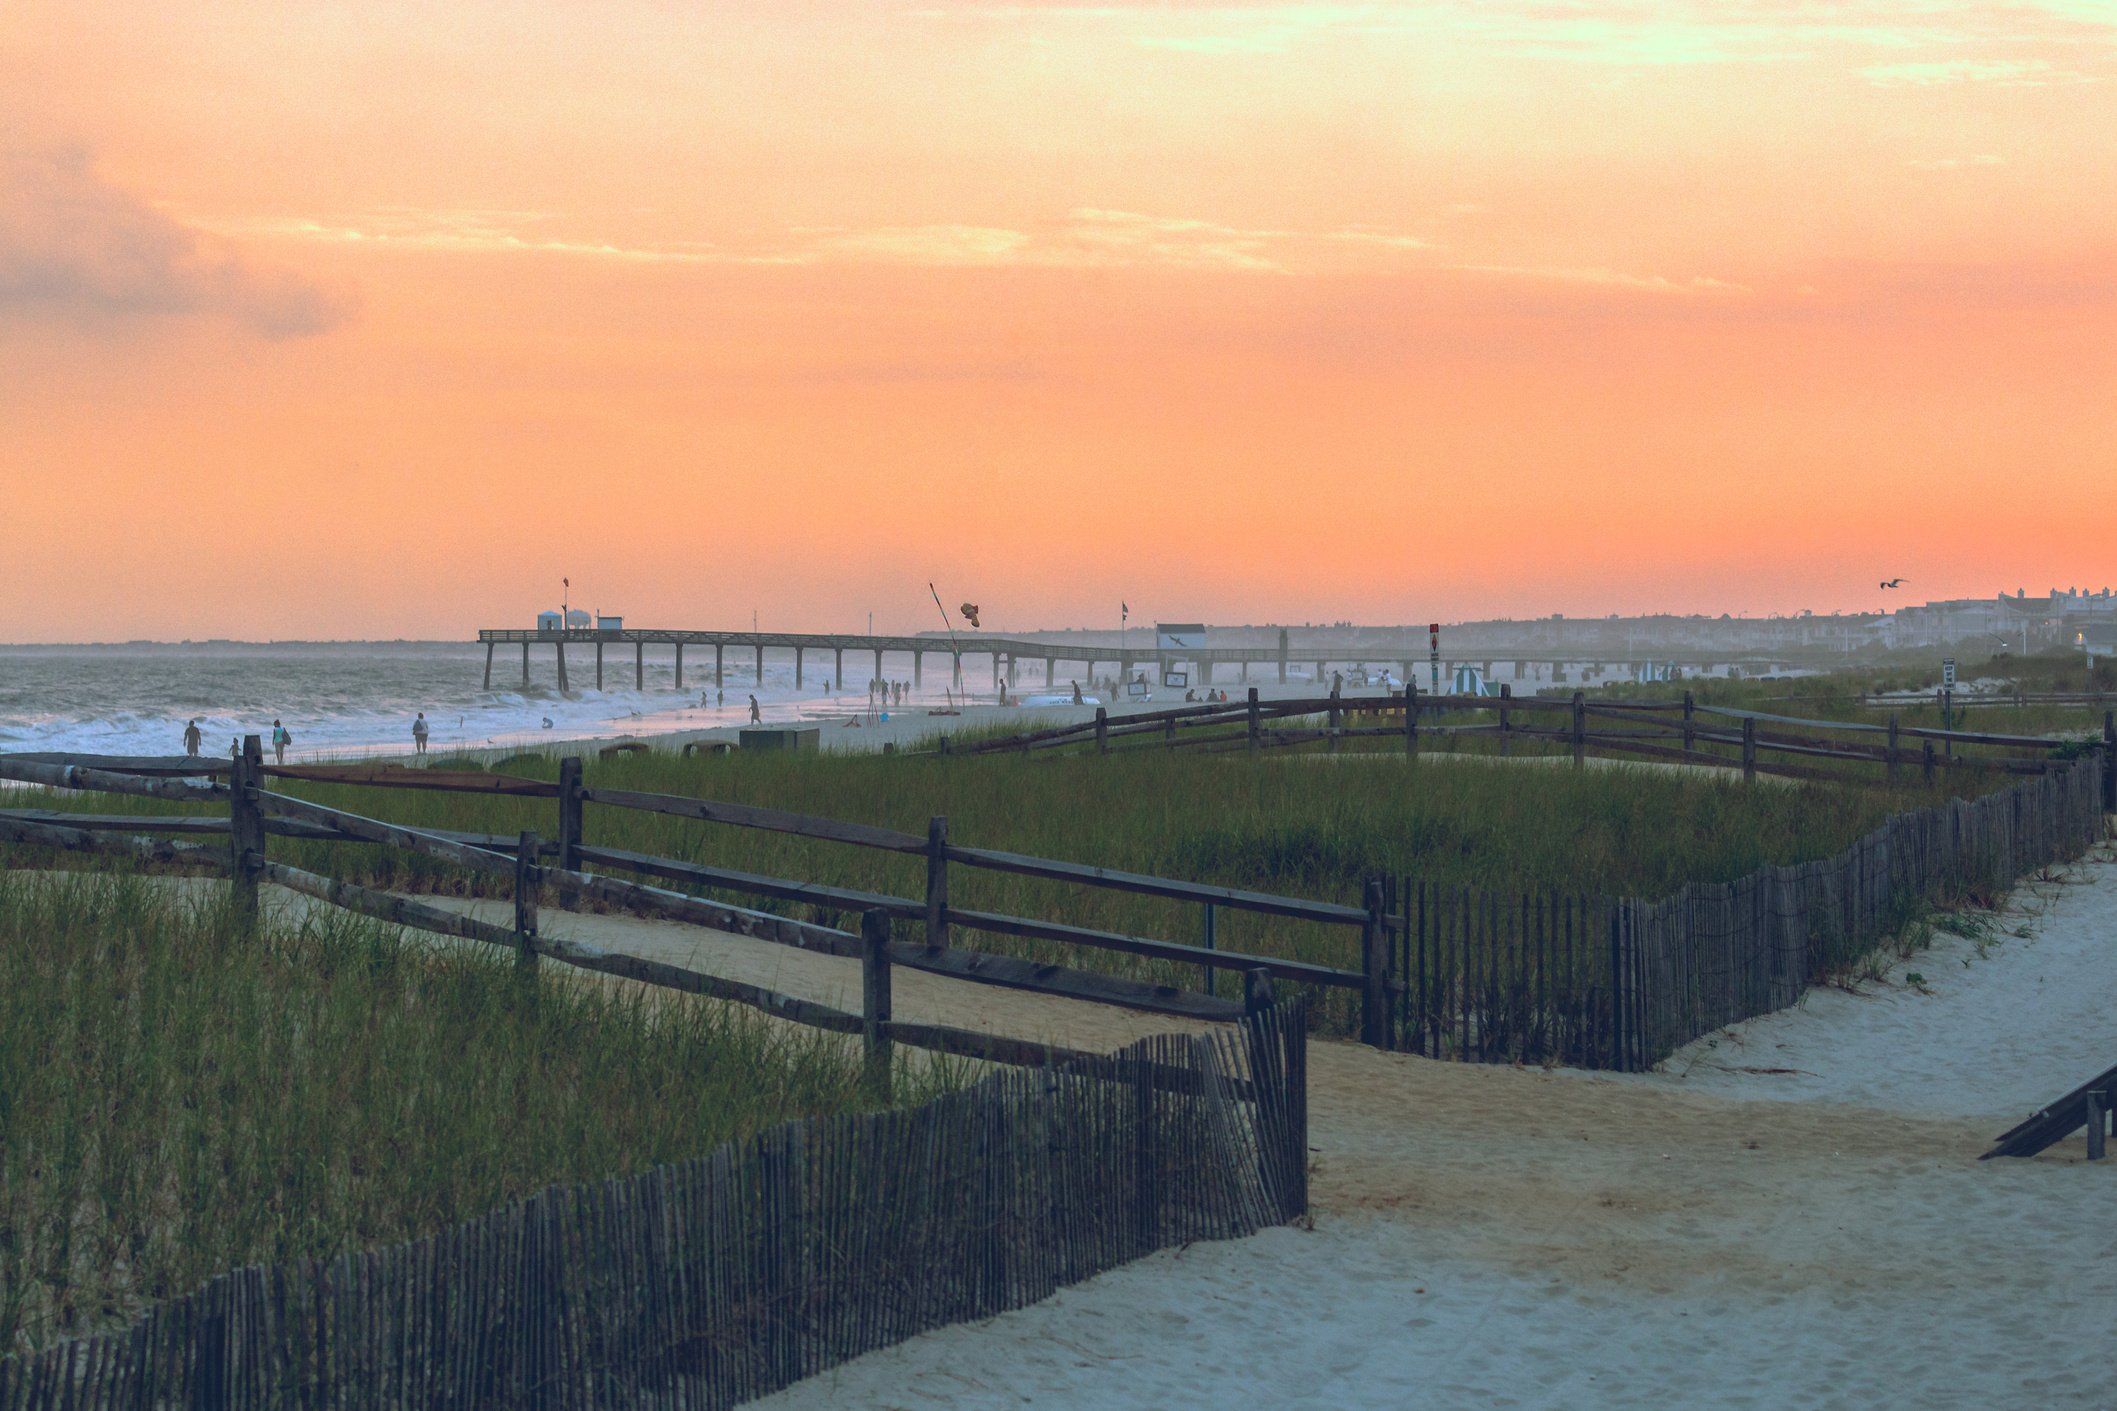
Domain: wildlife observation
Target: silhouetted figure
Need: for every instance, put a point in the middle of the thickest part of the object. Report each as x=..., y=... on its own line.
x=419, y=734
x=756, y=715
x=192, y=738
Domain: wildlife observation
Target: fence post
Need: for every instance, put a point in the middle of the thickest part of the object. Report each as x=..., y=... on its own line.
x=937, y=880
x=1506, y=717
x=1690, y=723
x=1211, y=974
x=1102, y=730
x=1411, y=718
x=209, y=1385
x=874, y=1000
x=569, y=821
x=1749, y=749
x=2097, y=1102
x=1256, y=991
x=1374, y=962
x=246, y=824
x=1580, y=729
x=1256, y=722
x=1336, y=719
x=2109, y=762
x=1620, y=1050
x=527, y=852
x=1892, y=746
x=1928, y=760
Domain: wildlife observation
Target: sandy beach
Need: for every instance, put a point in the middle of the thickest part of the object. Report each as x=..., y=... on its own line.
x=1708, y=1235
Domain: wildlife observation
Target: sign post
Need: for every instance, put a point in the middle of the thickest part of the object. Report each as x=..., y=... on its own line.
x=1433, y=654
x=1948, y=696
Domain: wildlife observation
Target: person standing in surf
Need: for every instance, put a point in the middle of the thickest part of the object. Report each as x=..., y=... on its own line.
x=193, y=738
x=280, y=740
x=419, y=734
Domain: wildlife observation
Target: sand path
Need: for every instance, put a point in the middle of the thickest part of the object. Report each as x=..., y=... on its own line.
x=1502, y=1237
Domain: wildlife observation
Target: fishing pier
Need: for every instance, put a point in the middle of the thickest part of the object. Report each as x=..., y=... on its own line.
x=1008, y=656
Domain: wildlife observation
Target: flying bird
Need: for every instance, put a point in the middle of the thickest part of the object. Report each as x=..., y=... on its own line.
x=970, y=613
x=1893, y=583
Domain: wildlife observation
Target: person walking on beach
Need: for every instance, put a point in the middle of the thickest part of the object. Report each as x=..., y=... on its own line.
x=419, y=734
x=280, y=740
x=756, y=715
x=1077, y=694
x=192, y=738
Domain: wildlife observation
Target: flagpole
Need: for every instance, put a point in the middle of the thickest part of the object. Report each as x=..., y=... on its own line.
x=1124, y=612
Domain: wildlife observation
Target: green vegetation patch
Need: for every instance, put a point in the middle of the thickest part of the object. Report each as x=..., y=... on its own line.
x=180, y=1095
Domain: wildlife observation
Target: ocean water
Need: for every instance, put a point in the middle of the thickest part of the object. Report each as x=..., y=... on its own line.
x=347, y=699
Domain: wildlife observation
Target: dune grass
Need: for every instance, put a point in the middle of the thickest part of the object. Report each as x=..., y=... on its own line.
x=180, y=1094
x=1841, y=695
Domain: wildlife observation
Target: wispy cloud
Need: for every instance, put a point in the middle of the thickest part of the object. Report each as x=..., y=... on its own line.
x=463, y=232
x=1610, y=278
x=1085, y=238
x=1272, y=29
x=1926, y=41
x=76, y=248
x=2006, y=73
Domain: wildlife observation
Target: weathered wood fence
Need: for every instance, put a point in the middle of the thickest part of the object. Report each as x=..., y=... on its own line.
x=1677, y=732
x=718, y=1280
x=1604, y=982
x=554, y=870
x=1450, y=972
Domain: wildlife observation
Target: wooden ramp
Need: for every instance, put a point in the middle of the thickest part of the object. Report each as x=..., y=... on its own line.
x=2060, y=1120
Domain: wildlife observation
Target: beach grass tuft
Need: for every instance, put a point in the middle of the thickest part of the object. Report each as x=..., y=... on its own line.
x=181, y=1093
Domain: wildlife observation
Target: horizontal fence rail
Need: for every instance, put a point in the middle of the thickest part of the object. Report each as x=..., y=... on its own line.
x=722, y=1279
x=1666, y=730
x=1581, y=979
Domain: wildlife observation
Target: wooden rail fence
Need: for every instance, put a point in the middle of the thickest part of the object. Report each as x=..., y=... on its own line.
x=560, y=866
x=715, y=1281
x=1682, y=732
x=1589, y=980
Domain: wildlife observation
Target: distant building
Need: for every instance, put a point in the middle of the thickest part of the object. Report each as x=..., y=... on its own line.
x=549, y=622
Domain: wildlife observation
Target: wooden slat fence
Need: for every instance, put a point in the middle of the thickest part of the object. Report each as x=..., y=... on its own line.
x=721, y=1279
x=1602, y=982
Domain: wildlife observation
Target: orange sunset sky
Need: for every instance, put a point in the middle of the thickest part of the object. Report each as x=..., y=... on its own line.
x=371, y=319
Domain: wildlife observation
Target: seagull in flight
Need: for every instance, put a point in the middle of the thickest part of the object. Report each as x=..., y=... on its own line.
x=1892, y=583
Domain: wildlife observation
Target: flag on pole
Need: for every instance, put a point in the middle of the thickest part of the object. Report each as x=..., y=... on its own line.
x=1124, y=611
